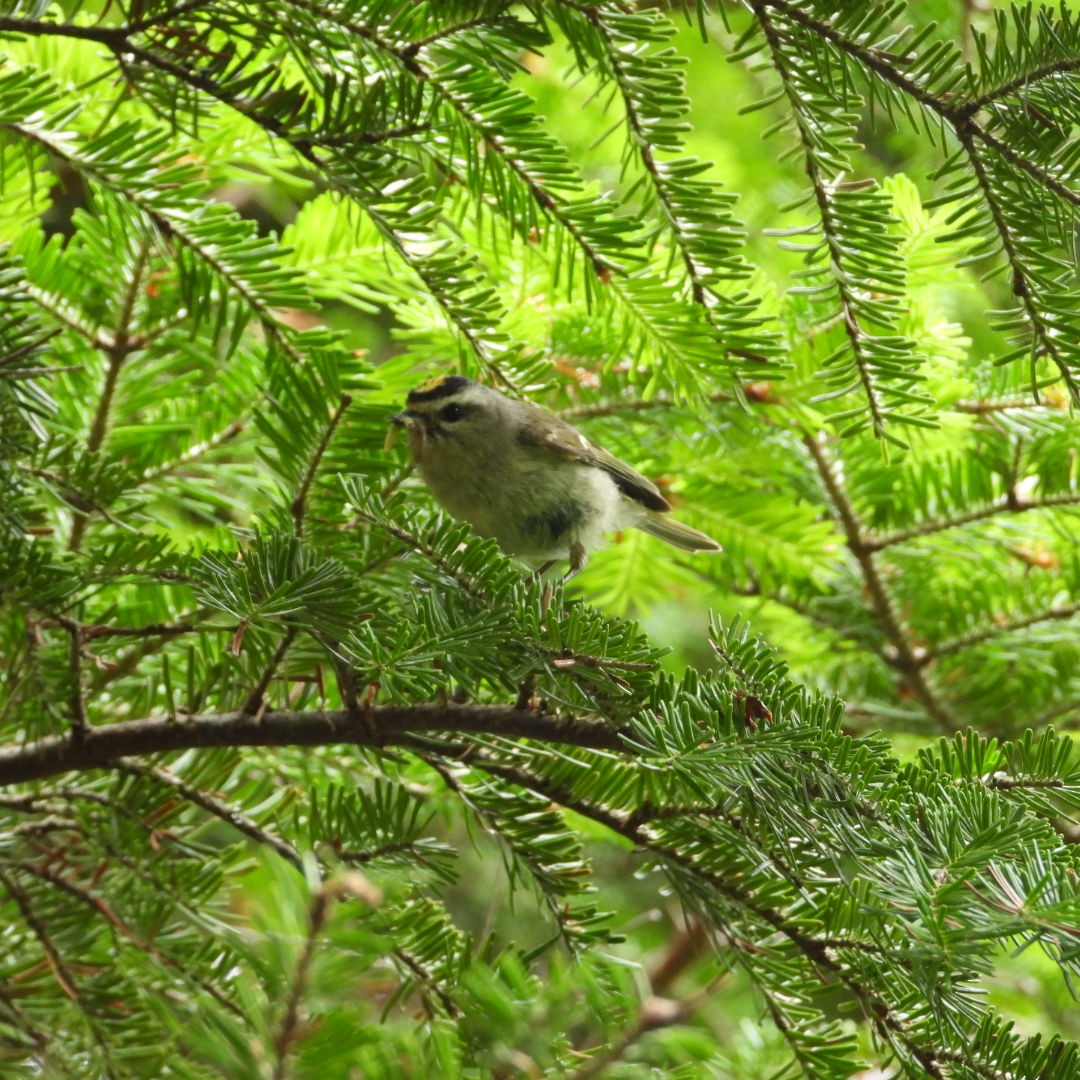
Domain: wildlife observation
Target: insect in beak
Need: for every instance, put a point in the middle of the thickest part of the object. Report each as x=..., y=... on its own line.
x=407, y=420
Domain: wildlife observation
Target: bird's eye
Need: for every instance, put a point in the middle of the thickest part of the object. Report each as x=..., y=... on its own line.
x=450, y=413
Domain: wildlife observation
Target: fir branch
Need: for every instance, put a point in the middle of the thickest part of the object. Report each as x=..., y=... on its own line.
x=906, y=659
x=449, y=1006
x=1044, y=332
x=816, y=949
x=1010, y=504
x=129, y=662
x=999, y=629
x=104, y=744
x=97, y=336
x=495, y=137
x=166, y=15
x=290, y=1032
x=981, y=407
x=298, y=507
x=28, y=349
x=1026, y=165
x=116, y=352
x=705, y=236
x=1006, y=89
x=99, y=905
x=213, y=805
x=62, y=310
x=256, y=701
x=193, y=453
x=177, y=225
x=61, y=971
x=960, y=115
x=848, y=275
x=305, y=145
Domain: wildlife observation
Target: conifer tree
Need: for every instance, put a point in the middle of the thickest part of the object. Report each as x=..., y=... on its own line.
x=302, y=779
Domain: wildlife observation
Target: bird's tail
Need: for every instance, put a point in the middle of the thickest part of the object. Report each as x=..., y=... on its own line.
x=676, y=533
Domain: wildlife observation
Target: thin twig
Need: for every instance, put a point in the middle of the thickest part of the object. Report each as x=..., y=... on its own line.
x=982, y=406
x=298, y=506
x=193, y=453
x=116, y=354
x=220, y=809
x=1010, y=504
x=61, y=972
x=255, y=702
x=290, y=1031
x=80, y=725
x=838, y=251
x=907, y=661
x=999, y=629
x=27, y=349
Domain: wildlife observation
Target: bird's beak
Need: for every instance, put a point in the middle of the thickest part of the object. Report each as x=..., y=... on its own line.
x=398, y=420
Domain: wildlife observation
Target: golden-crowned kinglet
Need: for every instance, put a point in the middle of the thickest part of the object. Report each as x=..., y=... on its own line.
x=527, y=478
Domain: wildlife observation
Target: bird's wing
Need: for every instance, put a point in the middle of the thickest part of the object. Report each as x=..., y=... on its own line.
x=560, y=439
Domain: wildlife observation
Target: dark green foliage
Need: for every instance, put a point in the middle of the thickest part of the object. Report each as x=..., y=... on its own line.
x=233, y=236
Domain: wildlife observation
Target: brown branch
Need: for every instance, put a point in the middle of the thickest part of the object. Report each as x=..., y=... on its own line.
x=255, y=703
x=64, y=978
x=982, y=406
x=988, y=633
x=220, y=809
x=907, y=661
x=1008, y=505
x=104, y=745
x=838, y=252
x=298, y=506
x=959, y=114
x=291, y=1029
x=1058, y=67
x=615, y=408
x=76, y=701
x=818, y=951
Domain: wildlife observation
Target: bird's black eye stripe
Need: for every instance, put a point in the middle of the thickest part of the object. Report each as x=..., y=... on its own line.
x=451, y=412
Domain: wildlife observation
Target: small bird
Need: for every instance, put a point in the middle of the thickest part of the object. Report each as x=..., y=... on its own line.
x=519, y=474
